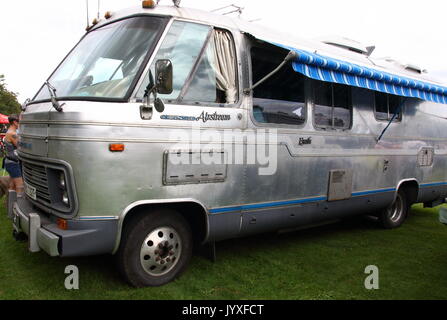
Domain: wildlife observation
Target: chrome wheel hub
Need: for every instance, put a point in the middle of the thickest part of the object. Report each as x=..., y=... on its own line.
x=160, y=251
x=396, y=210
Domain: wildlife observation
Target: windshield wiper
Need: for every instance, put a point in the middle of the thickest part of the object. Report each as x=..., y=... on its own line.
x=52, y=90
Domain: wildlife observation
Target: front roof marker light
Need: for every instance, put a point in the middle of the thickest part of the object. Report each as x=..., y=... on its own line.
x=149, y=4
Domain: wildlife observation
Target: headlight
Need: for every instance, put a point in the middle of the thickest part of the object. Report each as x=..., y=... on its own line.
x=62, y=180
x=65, y=198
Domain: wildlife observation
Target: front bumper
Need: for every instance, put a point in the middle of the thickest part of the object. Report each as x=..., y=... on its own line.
x=82, y=237
x=31, y=224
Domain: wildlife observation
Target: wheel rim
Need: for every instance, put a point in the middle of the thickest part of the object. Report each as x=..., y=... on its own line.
x=396, y=210
x=160, y=251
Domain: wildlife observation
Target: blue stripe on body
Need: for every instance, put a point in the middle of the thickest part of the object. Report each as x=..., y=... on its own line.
x=291, y=202
x=266, y=205
x=364, y=193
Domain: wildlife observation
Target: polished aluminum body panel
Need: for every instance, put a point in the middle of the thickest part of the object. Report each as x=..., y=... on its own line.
x=241, y=201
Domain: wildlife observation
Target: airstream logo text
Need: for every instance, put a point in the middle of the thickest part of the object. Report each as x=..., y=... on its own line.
x=205, y=117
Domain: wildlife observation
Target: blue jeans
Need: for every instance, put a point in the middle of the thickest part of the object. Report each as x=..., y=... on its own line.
x=14, y=170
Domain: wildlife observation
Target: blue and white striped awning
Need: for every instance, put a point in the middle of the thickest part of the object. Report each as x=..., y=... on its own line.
x=327, y=69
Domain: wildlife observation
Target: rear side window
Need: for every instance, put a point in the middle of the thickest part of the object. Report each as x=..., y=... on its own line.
x=332, y=105
x=280, y=99
x=386, y=105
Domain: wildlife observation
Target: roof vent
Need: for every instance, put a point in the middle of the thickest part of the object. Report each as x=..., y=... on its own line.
x=347, y=44
x=406, y=66
x=414, y=68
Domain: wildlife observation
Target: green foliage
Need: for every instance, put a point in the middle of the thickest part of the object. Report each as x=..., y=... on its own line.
x=8, y=99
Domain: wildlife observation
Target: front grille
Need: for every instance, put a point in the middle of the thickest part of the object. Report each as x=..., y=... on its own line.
x=49, y=193
x=36, y=176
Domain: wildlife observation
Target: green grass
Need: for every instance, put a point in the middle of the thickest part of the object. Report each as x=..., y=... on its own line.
x=322, y=263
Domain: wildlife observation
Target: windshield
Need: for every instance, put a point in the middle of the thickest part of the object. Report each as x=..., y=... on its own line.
x=107, y=61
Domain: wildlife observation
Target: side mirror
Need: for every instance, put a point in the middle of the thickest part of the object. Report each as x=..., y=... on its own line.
x=163, y=84
x=164, y=76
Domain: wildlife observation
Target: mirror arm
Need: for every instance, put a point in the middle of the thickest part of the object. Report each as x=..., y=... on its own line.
x=146, y=109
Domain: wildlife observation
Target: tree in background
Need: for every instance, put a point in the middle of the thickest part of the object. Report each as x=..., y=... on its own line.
x=8, y=100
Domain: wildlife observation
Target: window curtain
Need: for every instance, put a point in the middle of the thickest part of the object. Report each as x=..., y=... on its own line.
x=225, y=67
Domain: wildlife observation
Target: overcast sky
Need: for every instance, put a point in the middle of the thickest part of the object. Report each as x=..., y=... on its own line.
x=36, y=35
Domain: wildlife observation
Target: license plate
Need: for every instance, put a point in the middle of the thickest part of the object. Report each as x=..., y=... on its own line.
x=30, y=191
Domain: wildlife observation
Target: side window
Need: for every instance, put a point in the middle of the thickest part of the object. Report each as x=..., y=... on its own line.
x=386, y=105
x=280, y=99
x=332, y=105
x=204, y=65
x=215, y=78
x=182, y=45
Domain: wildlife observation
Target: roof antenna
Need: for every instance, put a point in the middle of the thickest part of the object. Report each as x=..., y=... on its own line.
x=176, y=2
x=232, y=8
x=99, y=1
x=88, y=19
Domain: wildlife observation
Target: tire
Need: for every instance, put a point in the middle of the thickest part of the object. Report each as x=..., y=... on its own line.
x=394, y=216
x=155, y=248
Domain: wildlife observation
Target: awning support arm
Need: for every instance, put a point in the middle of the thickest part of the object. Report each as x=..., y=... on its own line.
x=290, y=57
x=398, y=110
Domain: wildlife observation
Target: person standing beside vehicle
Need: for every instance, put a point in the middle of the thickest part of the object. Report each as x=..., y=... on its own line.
x=12, y=164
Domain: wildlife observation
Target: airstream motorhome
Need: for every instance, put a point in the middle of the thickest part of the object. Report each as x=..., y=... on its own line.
x=167, y=127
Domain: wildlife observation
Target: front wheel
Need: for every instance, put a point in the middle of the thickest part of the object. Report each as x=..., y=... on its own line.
x=155, y=248
x=394, y=216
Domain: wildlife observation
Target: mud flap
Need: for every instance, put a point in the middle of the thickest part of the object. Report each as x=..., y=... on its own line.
x=208, y=250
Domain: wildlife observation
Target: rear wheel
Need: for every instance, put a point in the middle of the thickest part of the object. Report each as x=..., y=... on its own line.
x=394, y=216
x=155, y=249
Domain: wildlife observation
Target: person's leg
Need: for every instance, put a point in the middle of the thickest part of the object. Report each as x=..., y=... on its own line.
x=12, y=185
x=18, y=183
x=15, y=173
